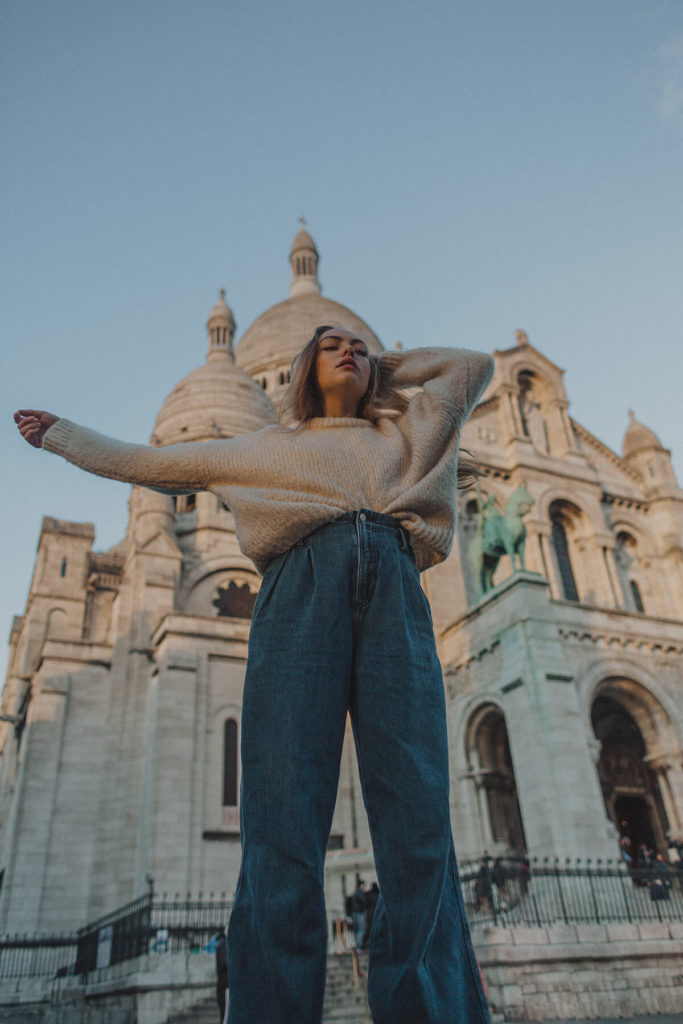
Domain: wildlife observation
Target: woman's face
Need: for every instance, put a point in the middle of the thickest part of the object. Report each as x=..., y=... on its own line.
x=342, y=365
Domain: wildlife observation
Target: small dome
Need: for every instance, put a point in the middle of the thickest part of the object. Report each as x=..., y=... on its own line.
x=215, y=400
x=282, y=331
x=639, y=438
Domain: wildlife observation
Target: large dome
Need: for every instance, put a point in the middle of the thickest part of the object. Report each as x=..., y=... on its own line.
x=283, y=330
x=215, y=400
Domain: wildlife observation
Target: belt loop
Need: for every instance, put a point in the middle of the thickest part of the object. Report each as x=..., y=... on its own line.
x=404, y=538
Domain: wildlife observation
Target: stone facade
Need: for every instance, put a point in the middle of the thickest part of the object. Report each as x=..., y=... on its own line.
x=120, y=731
x=582, y=972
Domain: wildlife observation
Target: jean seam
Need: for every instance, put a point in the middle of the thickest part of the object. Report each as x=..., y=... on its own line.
x=474, y=966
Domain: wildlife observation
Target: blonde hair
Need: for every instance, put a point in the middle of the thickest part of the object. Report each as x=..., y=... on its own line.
x=303, y=399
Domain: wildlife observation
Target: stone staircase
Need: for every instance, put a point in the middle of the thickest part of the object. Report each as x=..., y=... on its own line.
x=204, y=1012
x=345, y=1002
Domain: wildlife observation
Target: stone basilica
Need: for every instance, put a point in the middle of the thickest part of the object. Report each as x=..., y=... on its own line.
x=120, y=732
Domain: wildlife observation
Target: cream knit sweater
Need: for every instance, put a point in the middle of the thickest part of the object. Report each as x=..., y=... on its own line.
x=281, y=483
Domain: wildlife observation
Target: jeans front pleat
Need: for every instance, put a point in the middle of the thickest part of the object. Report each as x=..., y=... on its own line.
x=343, y=625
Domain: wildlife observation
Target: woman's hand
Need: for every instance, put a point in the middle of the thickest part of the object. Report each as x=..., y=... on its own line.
x=33, y=425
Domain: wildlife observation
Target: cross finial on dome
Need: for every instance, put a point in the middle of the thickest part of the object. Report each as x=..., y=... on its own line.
x=303, y=222
x=303, y=258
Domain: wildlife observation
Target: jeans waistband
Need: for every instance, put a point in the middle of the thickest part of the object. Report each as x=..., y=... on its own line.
x=360, y=517
x=367, y=515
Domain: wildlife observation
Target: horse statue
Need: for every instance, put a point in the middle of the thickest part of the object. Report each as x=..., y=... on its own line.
x=498, y=534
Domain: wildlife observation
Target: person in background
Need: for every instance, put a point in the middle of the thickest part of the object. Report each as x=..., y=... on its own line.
x=358, y=908
x=222, y=975
x=371, y=898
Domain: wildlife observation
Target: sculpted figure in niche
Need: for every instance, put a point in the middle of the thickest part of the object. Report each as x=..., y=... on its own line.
x=531, y=412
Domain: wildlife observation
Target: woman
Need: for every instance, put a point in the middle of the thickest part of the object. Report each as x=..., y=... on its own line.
x=340, y=513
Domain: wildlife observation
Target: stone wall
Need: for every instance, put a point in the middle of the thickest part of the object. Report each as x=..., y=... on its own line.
x=143, y=991
x=582, y=971
x=533, y=974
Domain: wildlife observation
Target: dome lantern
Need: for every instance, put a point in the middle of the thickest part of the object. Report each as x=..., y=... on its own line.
x=303, y=258
x=221, y=328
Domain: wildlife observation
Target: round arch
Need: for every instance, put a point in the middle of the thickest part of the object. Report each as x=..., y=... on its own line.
x=489, y=761
x=542, y=374
x=635, y=738
x=560, y=495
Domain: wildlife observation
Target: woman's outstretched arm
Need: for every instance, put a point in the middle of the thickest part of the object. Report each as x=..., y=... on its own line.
x=175, y=469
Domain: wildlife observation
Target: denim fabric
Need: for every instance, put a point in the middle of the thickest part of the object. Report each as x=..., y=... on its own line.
x=341, y=623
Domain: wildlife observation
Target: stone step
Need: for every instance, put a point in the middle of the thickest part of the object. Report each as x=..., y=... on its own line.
x=345, y=1002
x=204, y=1012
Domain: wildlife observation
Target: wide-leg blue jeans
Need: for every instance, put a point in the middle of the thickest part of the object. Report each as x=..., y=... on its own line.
x=341, y=623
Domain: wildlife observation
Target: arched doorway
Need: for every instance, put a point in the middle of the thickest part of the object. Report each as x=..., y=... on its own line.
x=491, y=766
x=624, y=719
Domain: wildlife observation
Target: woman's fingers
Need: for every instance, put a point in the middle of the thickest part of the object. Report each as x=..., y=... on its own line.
x=33, y=424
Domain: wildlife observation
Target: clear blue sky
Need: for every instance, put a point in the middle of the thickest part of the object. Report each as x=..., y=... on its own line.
x=466, y=168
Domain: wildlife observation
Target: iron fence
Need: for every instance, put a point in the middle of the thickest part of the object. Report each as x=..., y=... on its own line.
x=149, y=924
x=508, y=891
x=35, y=956
x=533, y=892
x=118, y=936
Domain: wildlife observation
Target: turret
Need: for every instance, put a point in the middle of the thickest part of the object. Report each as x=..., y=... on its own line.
x=221, y=327
x=644, y=452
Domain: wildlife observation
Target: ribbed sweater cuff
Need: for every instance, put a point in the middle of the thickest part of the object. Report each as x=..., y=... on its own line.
x=58, y=437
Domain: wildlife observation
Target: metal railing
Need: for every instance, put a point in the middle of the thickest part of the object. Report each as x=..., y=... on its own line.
x=517, y=892
x=149, y=924
x=511, y=892
x=36, y=956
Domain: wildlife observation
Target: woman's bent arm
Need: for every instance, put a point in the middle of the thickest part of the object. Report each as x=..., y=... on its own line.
x=454, y=377
x=175, y=469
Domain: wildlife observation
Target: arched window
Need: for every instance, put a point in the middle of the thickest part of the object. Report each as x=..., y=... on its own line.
x=562, y=557
x=637, y=598
x=230, y=763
